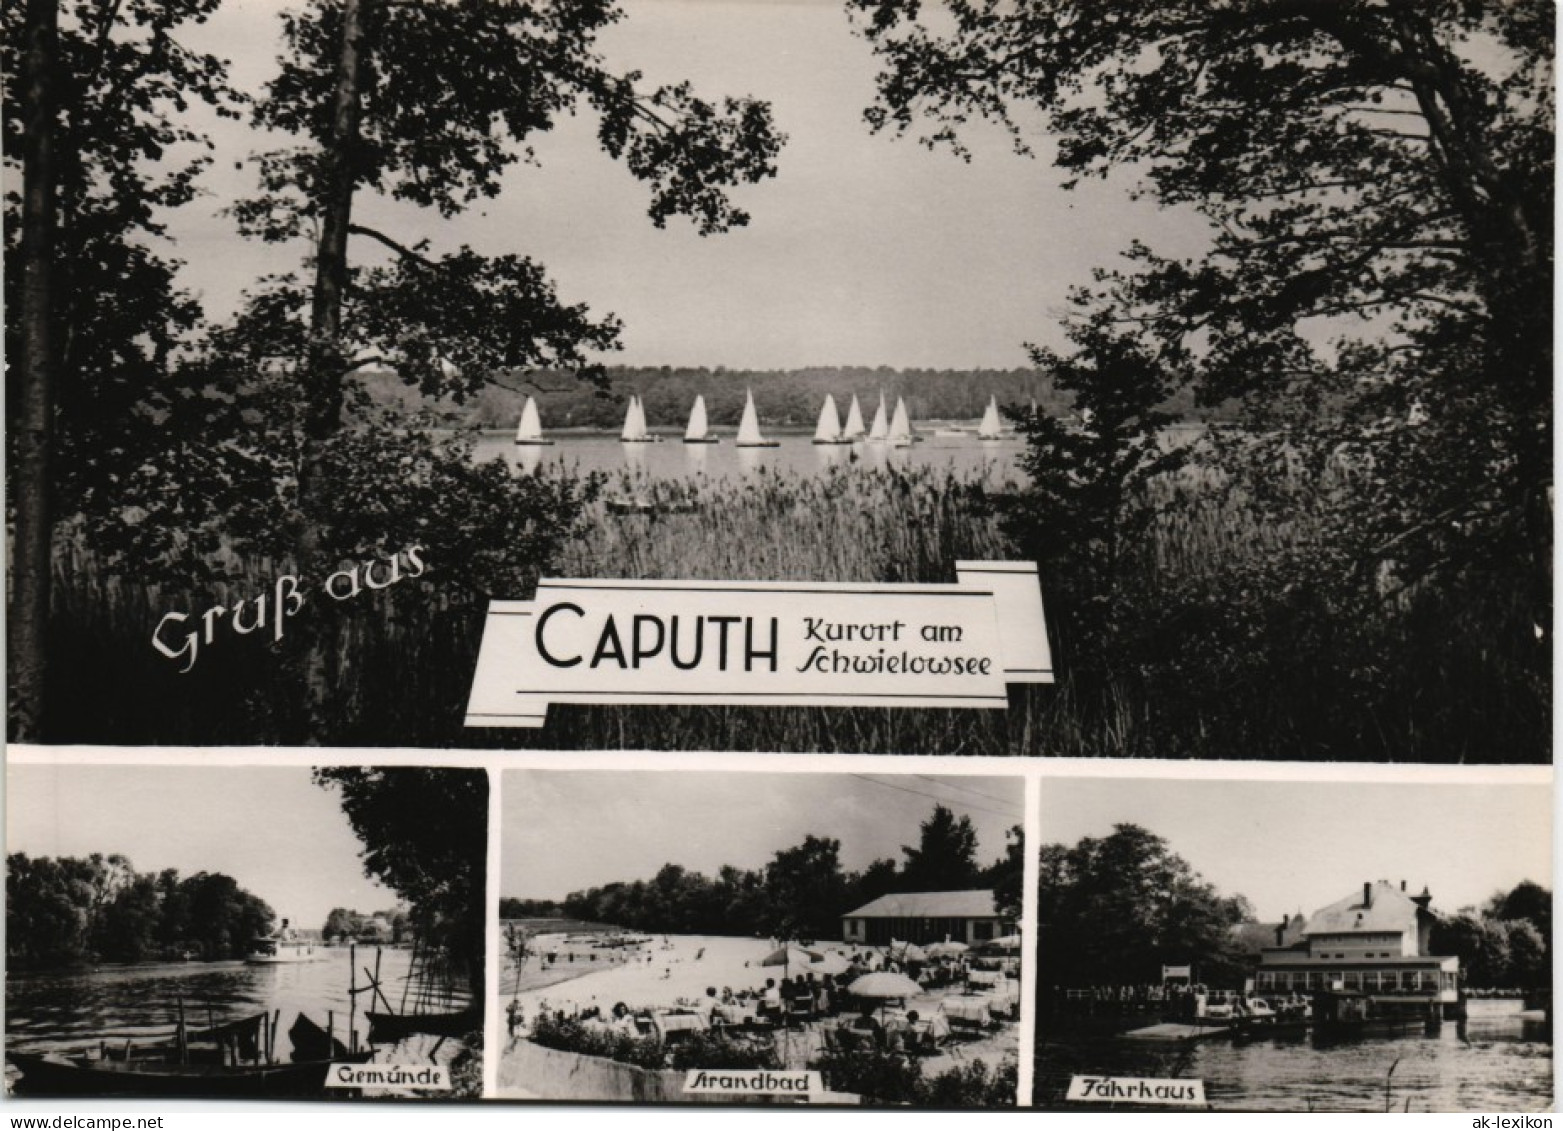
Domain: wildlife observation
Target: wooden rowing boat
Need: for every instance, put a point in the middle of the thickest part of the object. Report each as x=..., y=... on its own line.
x=395, y=1026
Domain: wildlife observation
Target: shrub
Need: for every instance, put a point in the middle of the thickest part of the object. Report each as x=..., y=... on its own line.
x=571, y=1036
x=718, y=1050
x=971, y=1086
x=879, y=1077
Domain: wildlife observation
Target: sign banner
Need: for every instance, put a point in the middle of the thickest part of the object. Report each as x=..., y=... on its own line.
x=1133, y=1090
x=752, y=1082
x=763, y=643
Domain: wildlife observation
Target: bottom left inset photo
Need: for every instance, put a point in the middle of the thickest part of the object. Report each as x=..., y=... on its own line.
x=243, y=931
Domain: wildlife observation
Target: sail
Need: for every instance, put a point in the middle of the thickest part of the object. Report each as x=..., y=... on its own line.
x=990, y=428
x=900, y=425
x=749, y=426
x=697, y=421
x=880, y=429
x=531, y=426
x=634, y=421
x=828, y=431
x=854, y=425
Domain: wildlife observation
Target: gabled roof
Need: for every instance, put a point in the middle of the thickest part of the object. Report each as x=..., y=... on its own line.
x=1258, y=937
x=929, y=905
x=1390, y=910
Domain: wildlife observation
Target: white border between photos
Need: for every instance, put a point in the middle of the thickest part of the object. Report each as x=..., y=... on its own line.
x=1035, y=771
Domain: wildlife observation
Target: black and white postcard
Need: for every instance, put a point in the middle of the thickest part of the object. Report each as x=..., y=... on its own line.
x=732, y=936
x=1295, y=945
x=179, y=930
x=478, y=411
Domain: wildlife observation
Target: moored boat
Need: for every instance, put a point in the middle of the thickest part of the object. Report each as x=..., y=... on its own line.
x=283, y=949
x=530, y=430
x=879, y=431
x=828, y=430
x=61, y=1074
x=452, y=1023
x=853, y=429
x=991, y=427
x=1351, y=1014
x=749, y=428
x=232, y=1060
x=900, y=434
x=635, y=431
x=699, y=431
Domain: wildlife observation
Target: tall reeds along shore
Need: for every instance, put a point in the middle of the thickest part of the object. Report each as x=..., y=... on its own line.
x=1213, y=650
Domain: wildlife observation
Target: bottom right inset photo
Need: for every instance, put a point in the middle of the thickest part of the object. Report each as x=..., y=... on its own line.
x=1294, y=946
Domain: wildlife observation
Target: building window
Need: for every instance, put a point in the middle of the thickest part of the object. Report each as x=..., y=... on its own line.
x=982, y=931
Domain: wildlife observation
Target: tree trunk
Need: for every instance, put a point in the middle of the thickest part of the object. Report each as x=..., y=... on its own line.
x=34, y=535
x=327, y=361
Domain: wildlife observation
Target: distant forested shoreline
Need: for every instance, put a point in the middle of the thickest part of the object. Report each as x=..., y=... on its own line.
x=783, y=397
x=70, y=911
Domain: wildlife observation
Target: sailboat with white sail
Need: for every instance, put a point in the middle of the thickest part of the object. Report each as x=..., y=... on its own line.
x=828, y=430
x=879, y=431
x=991, y=428
x=901, y=426
x=530, y=430
x=635, y=425
x=699, y=431
x=749, y=427
x=853, y=429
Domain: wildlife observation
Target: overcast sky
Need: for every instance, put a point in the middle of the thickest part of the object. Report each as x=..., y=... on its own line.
x=567, y=831
x=864, y=250
x=280, y=836
x=1292, y=846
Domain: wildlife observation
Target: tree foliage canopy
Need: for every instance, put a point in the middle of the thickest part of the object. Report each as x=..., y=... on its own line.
x=66, y=910
x=425, y=836
x=1376, y=181
x=1115, y=909
x=125, y=154
x=803, y=891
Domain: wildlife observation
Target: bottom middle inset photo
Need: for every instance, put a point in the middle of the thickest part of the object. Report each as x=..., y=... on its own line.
x=708, y=936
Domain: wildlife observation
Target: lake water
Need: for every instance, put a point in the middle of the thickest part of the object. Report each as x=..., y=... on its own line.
x=69, y=1012
x=1490, y=1063
x=583, y=452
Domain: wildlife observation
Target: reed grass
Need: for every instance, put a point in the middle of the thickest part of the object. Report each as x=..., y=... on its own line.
x=401, y=661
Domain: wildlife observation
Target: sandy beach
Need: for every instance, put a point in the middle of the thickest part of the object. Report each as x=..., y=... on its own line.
x=667, y=969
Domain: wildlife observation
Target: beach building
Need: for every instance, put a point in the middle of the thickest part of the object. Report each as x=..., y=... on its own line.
x=1376, y=942
x=926, y=917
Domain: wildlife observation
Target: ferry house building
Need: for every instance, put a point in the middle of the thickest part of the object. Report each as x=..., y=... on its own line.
x=1375, y=942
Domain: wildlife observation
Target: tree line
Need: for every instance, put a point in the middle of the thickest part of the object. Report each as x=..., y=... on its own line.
x=1505, y=944
x=70, y=910
x=1114, y=910
x=785, y=398
x=344, y=923
x=801, y=893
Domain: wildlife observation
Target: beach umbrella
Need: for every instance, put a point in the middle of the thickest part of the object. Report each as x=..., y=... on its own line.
x=911, y=952
x=947, y=949
x=884, y=986
x=789, y=956
x=831, y=963
x=1004, y=942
